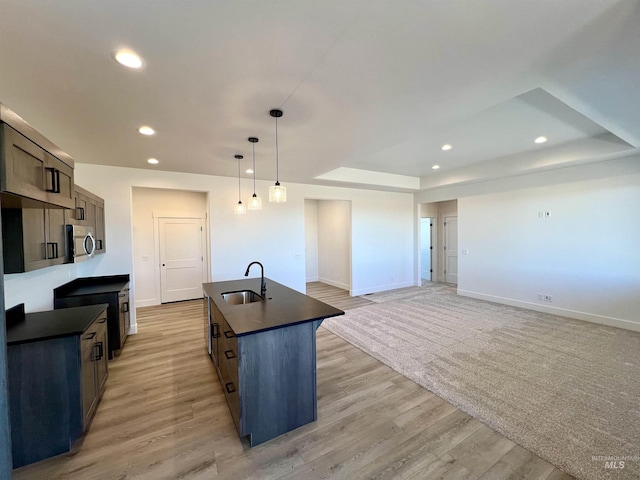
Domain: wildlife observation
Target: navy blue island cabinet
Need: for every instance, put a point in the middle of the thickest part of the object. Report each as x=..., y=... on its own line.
x=264, y=351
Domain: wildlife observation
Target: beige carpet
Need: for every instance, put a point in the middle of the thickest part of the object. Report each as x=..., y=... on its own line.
x=564, y=389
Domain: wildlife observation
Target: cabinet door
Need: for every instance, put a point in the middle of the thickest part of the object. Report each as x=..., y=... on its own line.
x=58, y=182
x=101, y=355
x=34, y=238
x=125, y=319
x=89, y=387
x=23, y=165
x=101, y=246
x=56, y=236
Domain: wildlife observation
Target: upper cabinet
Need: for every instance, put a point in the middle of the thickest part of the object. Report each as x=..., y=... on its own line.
x=30, y=171
x=88, y=212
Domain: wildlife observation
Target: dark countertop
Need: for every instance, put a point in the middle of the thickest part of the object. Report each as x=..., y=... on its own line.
x=283, y=306
x=53, y=324
x=91, y=286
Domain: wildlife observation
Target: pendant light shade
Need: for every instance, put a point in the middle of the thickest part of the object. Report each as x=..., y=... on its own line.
x=239, y=209
x=254, y=202
x=277, y=193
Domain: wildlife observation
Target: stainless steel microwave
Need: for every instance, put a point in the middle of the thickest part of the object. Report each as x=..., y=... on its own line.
x=81, y=243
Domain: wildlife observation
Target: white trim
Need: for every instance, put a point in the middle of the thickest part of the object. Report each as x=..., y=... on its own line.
x=133, y=329
x=383, y=288
x=587, y=317
x=312, y=279
x=178, y=214
x=333, y=283
x=151, y=302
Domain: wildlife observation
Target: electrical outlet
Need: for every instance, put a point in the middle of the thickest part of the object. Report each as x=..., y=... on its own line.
x=547, y=298
x=547, y=214
x=541, y=296
x=540, y=214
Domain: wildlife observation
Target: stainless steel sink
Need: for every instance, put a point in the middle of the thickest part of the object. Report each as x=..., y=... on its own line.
x=242, y=297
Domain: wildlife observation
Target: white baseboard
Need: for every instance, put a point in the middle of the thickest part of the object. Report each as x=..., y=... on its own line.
x=587, y=317
x=382, y=288
x=313, y=279
x=152, y=302
x=333, y=283
x=133, y=329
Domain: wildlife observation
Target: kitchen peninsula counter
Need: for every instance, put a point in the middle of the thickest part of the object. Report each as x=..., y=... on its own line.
x=265, y=355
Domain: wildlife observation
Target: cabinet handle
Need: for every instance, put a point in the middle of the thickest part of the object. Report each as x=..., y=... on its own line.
x=54, y=250
x=229, y=334
x=99, y=247
x=102, y=321
x=55, y=180
x=79, y=213
x=100, y=351
x=125, y=307
x=230, y=389
x=214, y=334
x=229, y=354
x=90, y=336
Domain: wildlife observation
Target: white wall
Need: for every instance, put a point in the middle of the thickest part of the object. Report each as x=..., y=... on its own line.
x=585, y=254
x=334, y=243
x=382, y=233
x=146, y=201
x=311, y=239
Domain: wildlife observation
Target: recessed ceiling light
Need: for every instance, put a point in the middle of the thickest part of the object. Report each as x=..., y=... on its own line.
x=153, y=161
x=248, y=170
x=446, y=147
x=146, y=130
x=436, y=167
x=540, y=139
x=128, y=58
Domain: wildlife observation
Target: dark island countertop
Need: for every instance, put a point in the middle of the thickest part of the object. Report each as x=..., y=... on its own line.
x=92, y=286
x=53, y=324
x=283, y=306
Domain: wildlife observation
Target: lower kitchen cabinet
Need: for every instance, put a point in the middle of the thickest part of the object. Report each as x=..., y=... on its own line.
x=112, y=290
x=57, y=372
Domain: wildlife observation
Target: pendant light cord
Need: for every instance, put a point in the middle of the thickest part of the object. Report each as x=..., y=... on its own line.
x=254, y=168
x=239, y=194
x=277, y=156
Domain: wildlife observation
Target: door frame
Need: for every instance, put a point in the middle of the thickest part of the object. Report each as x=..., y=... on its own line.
x=432, y=221
x=157, y=215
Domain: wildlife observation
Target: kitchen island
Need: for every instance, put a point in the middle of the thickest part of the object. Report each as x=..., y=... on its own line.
x=265, y=354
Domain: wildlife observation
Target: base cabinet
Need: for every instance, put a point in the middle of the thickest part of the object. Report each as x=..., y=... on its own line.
x=54, y=388
x=113, y=291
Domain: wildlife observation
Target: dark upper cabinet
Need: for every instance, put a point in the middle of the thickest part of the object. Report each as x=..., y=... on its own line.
x=89, y=212
x=30, y=171
x=33, y=238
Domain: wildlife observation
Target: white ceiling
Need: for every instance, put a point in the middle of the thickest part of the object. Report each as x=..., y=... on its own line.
x=374, y=85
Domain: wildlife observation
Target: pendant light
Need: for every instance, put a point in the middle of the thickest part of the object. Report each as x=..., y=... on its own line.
x=254, y=202
x=239, y=209
x=277, y=193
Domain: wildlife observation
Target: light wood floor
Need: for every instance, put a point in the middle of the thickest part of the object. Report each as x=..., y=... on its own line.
x=164, y=416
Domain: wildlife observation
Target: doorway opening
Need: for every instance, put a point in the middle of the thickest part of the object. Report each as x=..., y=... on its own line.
x=170, y=245
x=328, y=242
x=443, y=236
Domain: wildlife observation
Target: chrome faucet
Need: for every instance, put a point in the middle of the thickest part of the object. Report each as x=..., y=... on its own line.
x=263, y=286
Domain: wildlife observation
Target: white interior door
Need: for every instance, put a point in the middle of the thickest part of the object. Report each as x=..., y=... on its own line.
x=426, y=225
x=451, y=249
x=181, y=258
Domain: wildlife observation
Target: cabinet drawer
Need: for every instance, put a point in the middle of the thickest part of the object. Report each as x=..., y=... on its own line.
x=229, y=340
